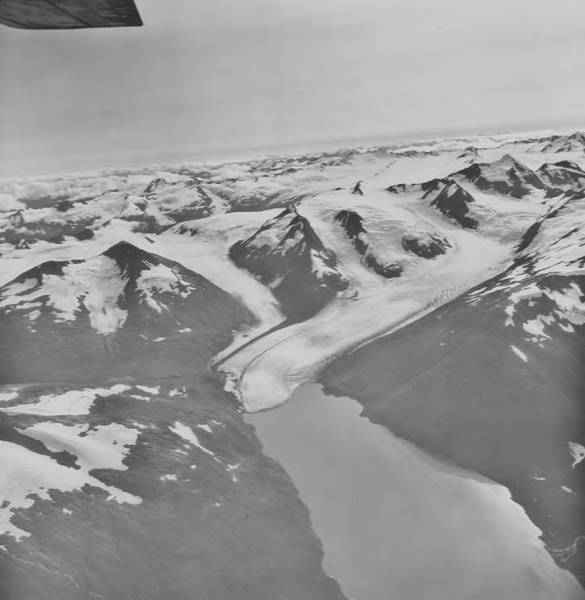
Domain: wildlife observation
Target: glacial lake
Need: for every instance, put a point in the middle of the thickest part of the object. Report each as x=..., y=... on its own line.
x=395, y=522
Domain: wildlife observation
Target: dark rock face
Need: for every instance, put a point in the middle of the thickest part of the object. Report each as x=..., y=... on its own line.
x=84, y=234
x=434, y=186
x=470, y=153
x=426, y=246
x=506, y=176
x=427, y=188
x=353, y=225
x=562, y=176
x=357, y=189
x=64, y=205
x=398, y=188
x=529, y=236
x=454, y=202
x=287, y=255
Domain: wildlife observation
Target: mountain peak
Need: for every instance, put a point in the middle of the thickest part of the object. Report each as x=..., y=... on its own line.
x=507, y=175
x=578, y=136
x=121, y=247
x=287, y=255
x=454, y=202
x=574, y=142
x=103, y=287
x=507, y=161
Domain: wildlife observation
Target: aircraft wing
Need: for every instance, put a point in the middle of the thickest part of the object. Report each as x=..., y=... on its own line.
x=69, y=14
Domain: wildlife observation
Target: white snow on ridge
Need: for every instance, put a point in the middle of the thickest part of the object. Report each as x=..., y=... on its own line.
x=103, y=447
x=95, y=284
x=72, y=402
x=26, y=475
x=160, y=278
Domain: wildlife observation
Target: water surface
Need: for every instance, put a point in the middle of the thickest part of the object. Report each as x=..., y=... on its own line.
x=397, y=523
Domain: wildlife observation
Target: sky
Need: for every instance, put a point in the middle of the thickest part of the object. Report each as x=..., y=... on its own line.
x=210, y=78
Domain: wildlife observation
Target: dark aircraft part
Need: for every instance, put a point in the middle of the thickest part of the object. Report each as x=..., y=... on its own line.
x=69, y=14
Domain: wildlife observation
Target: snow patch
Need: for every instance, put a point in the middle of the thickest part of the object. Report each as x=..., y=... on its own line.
x=8, y=396
x=103, y=447
x=94, y=284
x=519, y=353
x=577, y=453
x=185, y=432
x=149, y=389
x=72, y=402
x=157, y=279
x=26, y=475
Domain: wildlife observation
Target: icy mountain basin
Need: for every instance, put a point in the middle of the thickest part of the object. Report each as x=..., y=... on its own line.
x=397, y=523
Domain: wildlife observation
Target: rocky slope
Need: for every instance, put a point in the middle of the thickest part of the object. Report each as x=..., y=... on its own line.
x=288, y=256
x=507, y=176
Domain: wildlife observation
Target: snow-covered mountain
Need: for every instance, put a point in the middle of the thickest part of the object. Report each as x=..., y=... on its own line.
x=469, y=155
x=141, y=311
x=455, y=203
x=563, y=175
x=289, y=257
x=574, y=142
x=506, y=176
x=103, y=312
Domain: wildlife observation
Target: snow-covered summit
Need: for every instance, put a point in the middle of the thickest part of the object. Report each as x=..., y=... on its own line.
x=574, y=142
x=287, y=255
x=469, y=155
x=562, y=176
x=507, y=176
x=455, y=202
x=122, y=285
